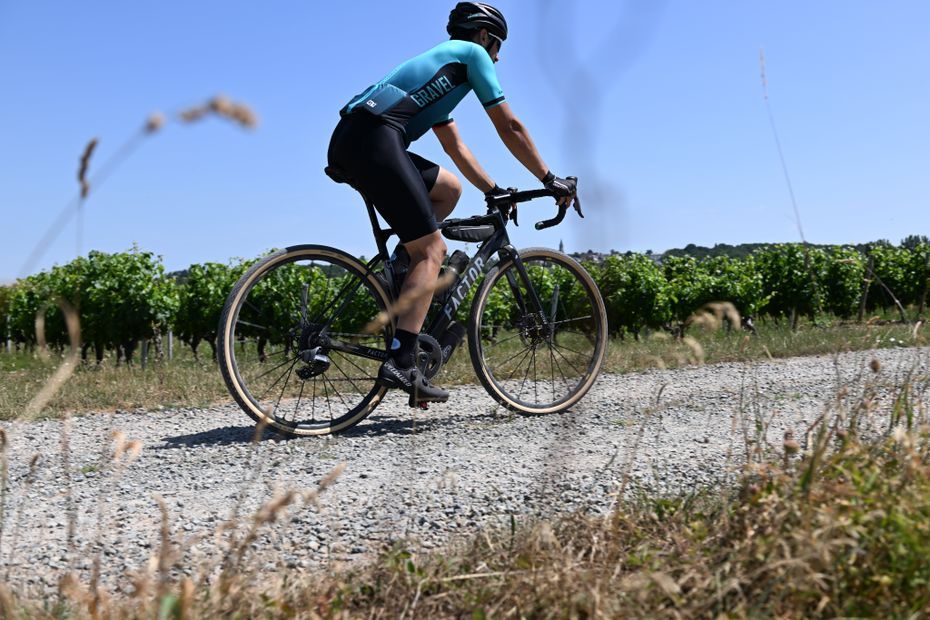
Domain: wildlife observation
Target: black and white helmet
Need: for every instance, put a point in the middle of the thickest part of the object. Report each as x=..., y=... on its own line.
x=476, y=15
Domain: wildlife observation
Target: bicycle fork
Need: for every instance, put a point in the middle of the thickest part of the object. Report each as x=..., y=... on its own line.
x=535, y=307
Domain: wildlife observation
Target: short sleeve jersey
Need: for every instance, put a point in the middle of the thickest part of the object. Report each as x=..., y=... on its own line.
x=423, y=91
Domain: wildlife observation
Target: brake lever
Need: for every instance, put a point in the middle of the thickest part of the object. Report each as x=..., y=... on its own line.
x=577, y=201
x=577, y=205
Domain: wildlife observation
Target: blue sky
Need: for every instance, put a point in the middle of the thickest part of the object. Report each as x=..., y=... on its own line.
x=665, y=123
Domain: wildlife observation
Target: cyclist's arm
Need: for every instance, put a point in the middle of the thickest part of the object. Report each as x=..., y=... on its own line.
x=517, y=139
x=462, y=156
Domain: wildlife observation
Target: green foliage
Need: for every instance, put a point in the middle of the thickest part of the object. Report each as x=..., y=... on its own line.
x=6, y=298
x=792, y=277
x=362, y=306
x=913, y=242
x=201, y=296
x=891, y=268
x=920, y=268
x=27, y=297
x=119, y=297
x=635, y=292
x=842, y=281
x=125, y=297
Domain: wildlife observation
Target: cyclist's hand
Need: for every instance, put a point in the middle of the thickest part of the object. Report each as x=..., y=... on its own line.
x=497, y=190
x=565, y=190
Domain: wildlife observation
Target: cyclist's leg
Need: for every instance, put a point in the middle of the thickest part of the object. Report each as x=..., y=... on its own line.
x=444, y=188
x=445, y=194
x=426, y=256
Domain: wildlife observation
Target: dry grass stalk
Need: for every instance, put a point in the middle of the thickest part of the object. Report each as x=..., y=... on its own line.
x=222, y=107
x=4, y=481
x=85, y=162
x=166, y=550
x=67, y=367
x=154, y=122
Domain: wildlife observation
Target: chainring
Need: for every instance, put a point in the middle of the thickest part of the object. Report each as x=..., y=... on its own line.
x=429, y=355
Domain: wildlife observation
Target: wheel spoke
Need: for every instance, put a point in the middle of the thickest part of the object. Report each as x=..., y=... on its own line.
x=301, y=287
x=272, y=386
x=572, y=326
x=348, y=378
x=271, y=370
x=567, y=361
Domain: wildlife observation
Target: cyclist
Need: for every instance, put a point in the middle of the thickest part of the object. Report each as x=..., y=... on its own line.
x=411, y=193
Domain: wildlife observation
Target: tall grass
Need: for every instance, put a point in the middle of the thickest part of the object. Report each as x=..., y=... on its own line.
x=834, y=525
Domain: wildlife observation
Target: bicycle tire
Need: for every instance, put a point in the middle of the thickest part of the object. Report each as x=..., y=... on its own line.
x=573, y=346
x=274, y=313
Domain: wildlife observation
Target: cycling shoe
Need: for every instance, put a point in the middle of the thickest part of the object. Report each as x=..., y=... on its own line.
x=412, y=382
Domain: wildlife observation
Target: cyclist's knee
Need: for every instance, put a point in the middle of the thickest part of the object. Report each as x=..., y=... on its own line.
x=454, y=189
x=445, y=193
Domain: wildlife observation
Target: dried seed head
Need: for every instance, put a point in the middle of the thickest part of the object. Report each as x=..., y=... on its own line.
x=154, y=122
x=221, y=105
x=85, y=162
x=244, y=116
x=2, y=439
x=899, y=434
x=133, y=449
x=697, y=351
x=875, y=365
x=331, y=477
x=194, y=114
x=119, y=438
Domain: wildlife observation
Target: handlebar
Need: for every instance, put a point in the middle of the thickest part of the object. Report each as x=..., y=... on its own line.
x=512, y=197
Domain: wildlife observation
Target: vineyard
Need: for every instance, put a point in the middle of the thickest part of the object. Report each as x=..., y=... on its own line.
x=126, y=299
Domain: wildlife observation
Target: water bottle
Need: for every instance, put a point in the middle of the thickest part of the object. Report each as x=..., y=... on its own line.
x=450, y=273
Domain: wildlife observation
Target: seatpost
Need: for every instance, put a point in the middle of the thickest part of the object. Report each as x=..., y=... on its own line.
x=381, y=235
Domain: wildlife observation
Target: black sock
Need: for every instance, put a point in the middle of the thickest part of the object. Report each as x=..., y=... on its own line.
x=403, y=356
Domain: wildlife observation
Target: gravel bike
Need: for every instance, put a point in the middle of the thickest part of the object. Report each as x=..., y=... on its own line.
x=305, y=329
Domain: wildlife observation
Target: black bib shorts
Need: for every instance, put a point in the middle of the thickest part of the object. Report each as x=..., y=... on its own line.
x=374, y=155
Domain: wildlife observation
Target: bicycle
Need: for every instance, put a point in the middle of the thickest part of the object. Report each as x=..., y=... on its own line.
x=305, y=329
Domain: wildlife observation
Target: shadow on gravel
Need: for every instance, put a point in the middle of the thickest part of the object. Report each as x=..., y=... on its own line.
x=217, y=437
x=375, y=426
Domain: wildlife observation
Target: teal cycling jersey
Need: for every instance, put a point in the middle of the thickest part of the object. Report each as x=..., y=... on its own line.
x=422, y=92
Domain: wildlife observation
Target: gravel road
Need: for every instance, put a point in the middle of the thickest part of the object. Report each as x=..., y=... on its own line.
x=424, y=477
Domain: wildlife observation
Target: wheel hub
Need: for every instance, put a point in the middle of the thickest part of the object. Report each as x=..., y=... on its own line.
x=533, y=330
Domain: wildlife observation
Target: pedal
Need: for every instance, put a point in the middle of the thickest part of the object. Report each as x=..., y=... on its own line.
x=413, y=403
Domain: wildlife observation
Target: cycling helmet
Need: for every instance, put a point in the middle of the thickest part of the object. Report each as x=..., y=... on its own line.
x=475, y=15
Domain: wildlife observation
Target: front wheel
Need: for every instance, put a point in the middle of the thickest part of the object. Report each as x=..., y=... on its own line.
x=299, y=346
x=538, y=353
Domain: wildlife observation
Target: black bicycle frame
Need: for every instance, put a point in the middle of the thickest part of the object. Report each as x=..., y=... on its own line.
x=480, y=264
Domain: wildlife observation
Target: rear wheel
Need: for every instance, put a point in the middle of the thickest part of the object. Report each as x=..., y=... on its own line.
x=532, y=359
x=299, y=341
